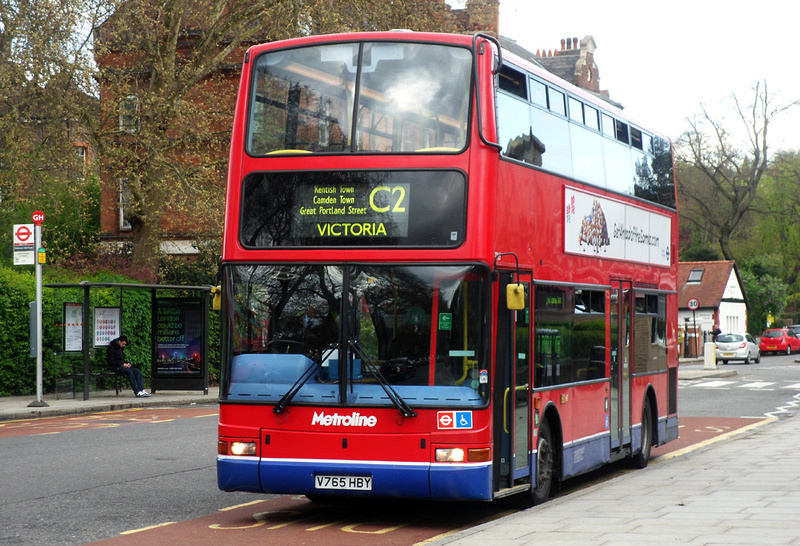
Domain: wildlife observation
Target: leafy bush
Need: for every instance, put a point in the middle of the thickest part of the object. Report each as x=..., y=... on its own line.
x=766, y=295
x=17, y=368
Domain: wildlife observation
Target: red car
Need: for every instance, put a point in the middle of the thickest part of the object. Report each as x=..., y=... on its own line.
x=779, y=340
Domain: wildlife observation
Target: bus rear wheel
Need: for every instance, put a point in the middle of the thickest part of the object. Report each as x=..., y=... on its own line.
x=545, y=463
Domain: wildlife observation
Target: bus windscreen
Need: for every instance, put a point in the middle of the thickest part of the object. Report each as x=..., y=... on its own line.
x=360, y=97
x=418, y=329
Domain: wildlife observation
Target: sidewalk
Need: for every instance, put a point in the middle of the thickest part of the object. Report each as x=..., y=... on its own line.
x=741, y=490
x=17, y=407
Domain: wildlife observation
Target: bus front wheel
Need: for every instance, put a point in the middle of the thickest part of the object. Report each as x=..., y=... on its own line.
x=545, y=462
x=641, y=459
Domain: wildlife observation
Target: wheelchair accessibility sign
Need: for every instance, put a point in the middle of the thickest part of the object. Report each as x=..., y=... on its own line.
x=454, y=419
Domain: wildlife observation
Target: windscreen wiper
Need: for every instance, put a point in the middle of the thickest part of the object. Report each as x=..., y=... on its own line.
x=401, y=405
x=280, y=407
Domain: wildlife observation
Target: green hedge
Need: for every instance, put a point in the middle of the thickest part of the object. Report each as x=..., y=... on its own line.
x=18, y=369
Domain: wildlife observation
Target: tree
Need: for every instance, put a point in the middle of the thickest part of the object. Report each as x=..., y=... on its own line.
x=777, y=233
x=166, y=110
x=766, y=295
x=168, y=74
x=717, y=181
x=696, y=253
x=45, y=98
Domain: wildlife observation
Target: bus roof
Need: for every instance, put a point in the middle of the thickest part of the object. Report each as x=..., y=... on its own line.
x=391, y=35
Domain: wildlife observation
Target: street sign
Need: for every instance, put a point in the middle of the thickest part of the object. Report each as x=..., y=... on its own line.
x=24, y=244
x=37, y=217
x=23, y=234
x=693, y=304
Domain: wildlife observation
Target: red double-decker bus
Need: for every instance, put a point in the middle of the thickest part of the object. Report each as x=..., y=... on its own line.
x=446, y=274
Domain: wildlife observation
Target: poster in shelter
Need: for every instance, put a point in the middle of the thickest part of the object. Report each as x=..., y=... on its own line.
x=73, y=327
x=179, y=331
x=106, y=325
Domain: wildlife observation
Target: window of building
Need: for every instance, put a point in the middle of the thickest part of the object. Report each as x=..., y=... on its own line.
x=82, y=153
x=696, y=275
x=125, y=201
x=129, y=118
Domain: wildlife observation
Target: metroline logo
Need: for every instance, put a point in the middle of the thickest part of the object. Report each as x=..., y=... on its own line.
x=352, y=420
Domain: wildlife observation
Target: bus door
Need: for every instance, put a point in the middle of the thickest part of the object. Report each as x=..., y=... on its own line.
x=512, y=391
x=620, y=405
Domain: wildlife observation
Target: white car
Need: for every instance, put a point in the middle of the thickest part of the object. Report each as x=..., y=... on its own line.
x=737, y=347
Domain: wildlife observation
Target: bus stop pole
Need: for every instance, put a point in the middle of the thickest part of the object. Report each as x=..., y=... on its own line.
x=87, y=339
x=39, y=402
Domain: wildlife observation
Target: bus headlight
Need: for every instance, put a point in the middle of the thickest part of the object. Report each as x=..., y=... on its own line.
x=449, y=455
x=243, y=449
x=240, y=449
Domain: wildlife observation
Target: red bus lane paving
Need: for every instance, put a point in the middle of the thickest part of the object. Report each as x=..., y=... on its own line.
x=296, y=520
x=697, y=432
x=107, y=419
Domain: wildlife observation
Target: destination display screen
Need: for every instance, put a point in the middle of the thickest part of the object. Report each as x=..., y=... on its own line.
x=349, y=210
x=354, y=208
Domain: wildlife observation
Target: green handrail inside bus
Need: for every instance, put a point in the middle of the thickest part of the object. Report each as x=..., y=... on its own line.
x=517, y=389
x=438, y=149
x=274, y=152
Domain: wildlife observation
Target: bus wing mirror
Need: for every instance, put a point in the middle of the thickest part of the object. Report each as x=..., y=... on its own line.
x=515, y=296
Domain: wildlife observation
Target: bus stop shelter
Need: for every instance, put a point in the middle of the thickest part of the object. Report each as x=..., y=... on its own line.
x=179, y=332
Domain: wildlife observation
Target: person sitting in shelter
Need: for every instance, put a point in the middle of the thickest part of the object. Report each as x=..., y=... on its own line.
x=117, y=363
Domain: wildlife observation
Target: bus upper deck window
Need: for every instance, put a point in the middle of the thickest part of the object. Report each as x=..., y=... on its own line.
x=556, y=101
x=591, y=120
x=513, y=82
x=609, y=126
x=538, y=93
x=622, y=132
x=636, y=138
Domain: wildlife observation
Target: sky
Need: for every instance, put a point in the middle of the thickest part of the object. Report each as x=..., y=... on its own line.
x=663, y=60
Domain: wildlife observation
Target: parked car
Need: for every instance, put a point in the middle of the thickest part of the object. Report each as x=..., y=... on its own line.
x=737, y=347
x=795, y=328
x=779, y=340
